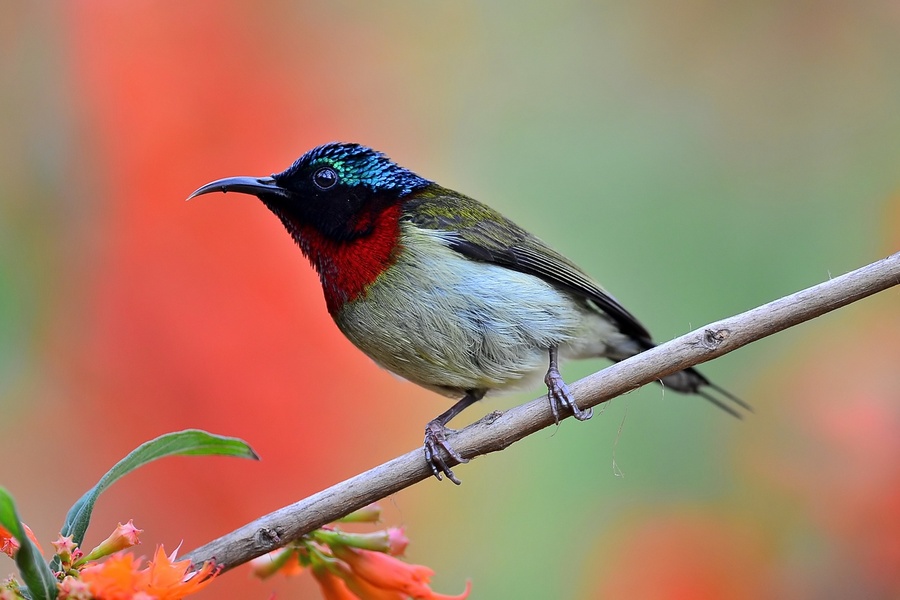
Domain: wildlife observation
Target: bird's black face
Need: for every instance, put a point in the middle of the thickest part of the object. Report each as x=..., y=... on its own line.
x=337, y=189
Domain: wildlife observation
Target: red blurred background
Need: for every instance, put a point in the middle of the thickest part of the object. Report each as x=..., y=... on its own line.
x=704, y=159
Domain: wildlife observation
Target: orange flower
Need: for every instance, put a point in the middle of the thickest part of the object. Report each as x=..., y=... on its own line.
x=333, y=587
x=356, y=566
x=391, y=574
x=9, y=545
x=119, y=578
x=364, y=590
x=170, y=580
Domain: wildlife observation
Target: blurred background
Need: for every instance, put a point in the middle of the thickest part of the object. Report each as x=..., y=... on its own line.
x=698, y=158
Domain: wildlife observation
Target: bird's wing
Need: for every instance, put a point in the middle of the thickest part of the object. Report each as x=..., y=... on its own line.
x=481, y=233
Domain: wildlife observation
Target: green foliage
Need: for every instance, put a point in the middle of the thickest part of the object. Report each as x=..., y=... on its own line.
x=191, y=442
x=37, y=575
x=35, y=572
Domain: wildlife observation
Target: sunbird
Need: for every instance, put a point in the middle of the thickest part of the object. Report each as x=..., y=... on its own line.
x=443, y=290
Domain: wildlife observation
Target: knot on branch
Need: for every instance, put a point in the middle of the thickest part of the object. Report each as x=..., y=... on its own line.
x=713, y=338
x=267, y=538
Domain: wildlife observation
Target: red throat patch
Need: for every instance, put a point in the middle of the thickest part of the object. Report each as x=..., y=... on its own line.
x=346, y=269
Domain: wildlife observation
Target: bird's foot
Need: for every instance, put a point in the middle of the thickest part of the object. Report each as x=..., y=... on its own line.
x=435, y=439
x=559, y=396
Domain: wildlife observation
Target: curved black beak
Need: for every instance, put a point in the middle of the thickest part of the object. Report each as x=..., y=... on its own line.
x=255, y=186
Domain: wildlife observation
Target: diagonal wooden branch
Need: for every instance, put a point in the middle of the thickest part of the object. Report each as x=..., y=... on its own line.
x=498, y=430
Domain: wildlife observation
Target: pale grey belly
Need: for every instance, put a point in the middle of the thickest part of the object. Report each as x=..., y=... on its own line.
x=455, y=327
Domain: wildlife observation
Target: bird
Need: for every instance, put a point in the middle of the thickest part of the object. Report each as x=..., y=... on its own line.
x=443, y=290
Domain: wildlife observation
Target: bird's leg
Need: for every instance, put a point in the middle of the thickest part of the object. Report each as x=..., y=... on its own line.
x=558, y=392
x=436, y=437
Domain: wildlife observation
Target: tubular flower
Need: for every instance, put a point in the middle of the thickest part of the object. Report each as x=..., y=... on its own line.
x=364, y=590
x=124, y=536
x=333, y=587
x=385, y=571
x=355, y=566
x=389, y=573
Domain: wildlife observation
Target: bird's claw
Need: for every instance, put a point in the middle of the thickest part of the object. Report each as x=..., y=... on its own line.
x=435, y=439
x=559, y=395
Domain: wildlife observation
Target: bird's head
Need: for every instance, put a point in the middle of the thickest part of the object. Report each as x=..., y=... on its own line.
x=337, y=189
x=341, y=203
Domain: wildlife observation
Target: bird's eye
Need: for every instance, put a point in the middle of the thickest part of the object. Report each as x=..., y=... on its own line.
x=325, y=178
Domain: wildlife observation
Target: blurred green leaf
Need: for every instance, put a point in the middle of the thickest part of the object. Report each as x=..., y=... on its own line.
x=191, y=442
x=35, y=572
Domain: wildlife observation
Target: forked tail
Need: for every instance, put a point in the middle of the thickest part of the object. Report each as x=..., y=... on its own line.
x=690, y=381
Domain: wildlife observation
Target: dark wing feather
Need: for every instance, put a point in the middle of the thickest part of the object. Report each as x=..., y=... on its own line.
x=481, y=233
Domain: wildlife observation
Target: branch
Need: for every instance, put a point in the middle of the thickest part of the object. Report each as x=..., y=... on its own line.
x=498, y=430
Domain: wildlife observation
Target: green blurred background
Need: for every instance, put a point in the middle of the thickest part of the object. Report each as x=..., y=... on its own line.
x=698, y=158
